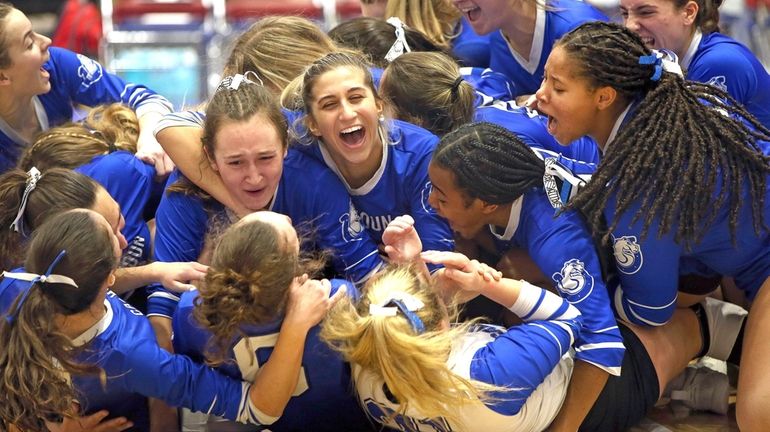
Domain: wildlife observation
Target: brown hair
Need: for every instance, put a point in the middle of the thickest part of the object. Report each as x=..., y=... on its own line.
x=36, y=357
x=278, y=49
x=437, y=19
x=248, y=283
x=707, y=18
x=5, y=58
x=426, y=88
x=108, y=128
x=57, y=190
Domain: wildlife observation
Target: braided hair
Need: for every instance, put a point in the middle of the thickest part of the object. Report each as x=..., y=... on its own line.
x=489, y=162
x=686, y=143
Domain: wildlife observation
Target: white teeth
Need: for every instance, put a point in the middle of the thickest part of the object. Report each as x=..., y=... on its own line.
x=647, y=40
x=351, y=129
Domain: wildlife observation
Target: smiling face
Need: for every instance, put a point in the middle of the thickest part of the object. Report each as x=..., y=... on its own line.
x=566, y=98
x=486, y=16
x=344, y=114
x=249, y=157
x=27, y=51
x=660, y=23
x=464, y=217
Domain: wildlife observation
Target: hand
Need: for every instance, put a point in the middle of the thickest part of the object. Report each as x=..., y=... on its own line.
x=150, y=152
x=91, y=423
x=402, y=244
x=460, y=274
x=309, y=301
x=175, y=275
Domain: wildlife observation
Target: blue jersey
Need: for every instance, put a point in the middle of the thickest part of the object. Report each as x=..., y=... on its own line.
x=724, y=62
x=76, y=79
x=552, y=24
x=308, y=192
x=123, y=344
x=468, y=47
x=531, y=359
x=130, y=182
x=400, y=186
x=531, y=128
x=562, y=247
x=323, y=399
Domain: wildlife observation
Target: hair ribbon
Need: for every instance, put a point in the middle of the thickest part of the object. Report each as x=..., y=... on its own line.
x=406, y=303
x=663, y=60
x=33, y=278
x=33, y=176
x=233, y=82
x=399, y=46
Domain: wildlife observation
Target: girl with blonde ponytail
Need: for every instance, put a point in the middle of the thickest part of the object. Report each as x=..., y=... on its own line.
x=412, y=368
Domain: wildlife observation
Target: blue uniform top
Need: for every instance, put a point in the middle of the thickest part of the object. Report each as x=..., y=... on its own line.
x=532, y=129
x=308, y=192
x=400, y=186
x=323, y=399
x=76, y=79
x=468, y=47
x=123, y=344
x=562, y=247
x=552, y=24
x=130, y=182
x=724, y=62
x=530, y=359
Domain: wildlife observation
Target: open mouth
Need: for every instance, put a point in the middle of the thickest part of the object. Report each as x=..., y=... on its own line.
x=648, y=41
x=552, y=123
x=472, y=12
x=353, y=136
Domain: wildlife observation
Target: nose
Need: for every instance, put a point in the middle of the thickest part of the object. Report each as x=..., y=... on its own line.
x=434, y=202
x=631, y=23
x=122, y=242
x=347, y=111
x=45, y=42
x=254, y=175
x=540, y=95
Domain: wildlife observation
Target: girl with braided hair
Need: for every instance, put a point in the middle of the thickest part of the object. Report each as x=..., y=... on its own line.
x=683, y=179
x=691, y=29
x=236, y=316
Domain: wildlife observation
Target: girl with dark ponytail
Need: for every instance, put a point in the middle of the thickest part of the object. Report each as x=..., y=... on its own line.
x=683, y=178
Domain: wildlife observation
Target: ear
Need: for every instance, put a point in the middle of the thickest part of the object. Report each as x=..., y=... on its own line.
x=487, y=208
x=380, y=105
x=210, y=158
x=4, y=78
x=690, y=12
x=604, y=97
x=111, y=279
x=312, y=126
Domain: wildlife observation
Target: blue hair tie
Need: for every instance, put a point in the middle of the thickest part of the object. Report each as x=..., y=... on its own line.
x=653, y=59
x=414, y=320
x=33, y=278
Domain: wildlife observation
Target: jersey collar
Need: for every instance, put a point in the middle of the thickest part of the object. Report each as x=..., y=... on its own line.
x=98, y=328
x=621, y=119
x=372, y=182
x=513, y=221
x=536, y=51
x=692, y=49
x=42, y=121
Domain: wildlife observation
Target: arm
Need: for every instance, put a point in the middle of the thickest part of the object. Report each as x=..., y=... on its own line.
x=586, y=384
x=174, y=276
x=180, y=135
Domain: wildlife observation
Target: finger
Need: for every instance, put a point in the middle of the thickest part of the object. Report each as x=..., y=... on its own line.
x=114, y=425
x=448, y=259
x=459, y=276
x=177, y=286
x=95, y=418
x=168, y=164
x=199, y=267
x=146, y=158
x=389, y=250
x=341, y=292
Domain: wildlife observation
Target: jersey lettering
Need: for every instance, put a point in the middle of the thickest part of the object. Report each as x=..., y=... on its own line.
x=387, y=416
x=246, y=358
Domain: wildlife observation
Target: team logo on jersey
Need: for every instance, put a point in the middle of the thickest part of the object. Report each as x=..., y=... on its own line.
x=628, y=254
x=351, y=225
x=89, y=71
x=426, y=190
x=134, y=253
x=719, y=82
x=573, y=281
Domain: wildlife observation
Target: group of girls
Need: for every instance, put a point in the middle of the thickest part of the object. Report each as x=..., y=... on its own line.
x=621, y=187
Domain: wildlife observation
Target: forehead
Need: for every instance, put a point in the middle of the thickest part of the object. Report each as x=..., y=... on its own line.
x=14, y=26
x=256, y=134
x=562, y=65
x=341, y=78
x=443, y=179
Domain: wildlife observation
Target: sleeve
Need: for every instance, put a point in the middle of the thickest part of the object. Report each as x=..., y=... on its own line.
x=178, y=381
x=433, y=230
x=490, y=83
x=564, y=250
x=726, y=68
x=87, y=83
x=355, y=255
x=648, y=272
x=522, y=357
x=181, y=119
x=180, y=229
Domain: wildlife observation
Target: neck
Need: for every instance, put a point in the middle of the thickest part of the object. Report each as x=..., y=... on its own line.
x=520, y=28
x=605, y=122
x=75, y=325
x=18, y=112
x=357, y=174
x=500, y=216
x=680, y=53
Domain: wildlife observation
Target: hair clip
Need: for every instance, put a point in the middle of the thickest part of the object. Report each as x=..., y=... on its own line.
x=33, y=278
x=233, y=82
x=404, y=302
x=399, y=46
x=33, y=176
x=664, y=60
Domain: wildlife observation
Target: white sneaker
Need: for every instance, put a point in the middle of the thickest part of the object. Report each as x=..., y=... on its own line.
x=724, y=321
x=701, y=388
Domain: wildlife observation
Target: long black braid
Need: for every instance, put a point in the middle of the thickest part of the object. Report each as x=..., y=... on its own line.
x=685, y=139
x=489, y=162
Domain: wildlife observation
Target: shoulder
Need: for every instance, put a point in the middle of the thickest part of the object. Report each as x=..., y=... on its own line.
x=566, y=15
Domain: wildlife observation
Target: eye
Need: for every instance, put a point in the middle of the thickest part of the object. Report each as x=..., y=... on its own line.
x=234, y=162
x=356, y=98
x=267, y=158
